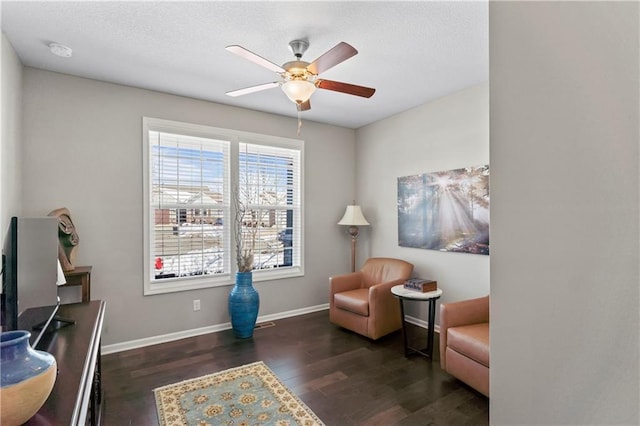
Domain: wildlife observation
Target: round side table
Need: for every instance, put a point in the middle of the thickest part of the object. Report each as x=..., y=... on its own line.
x=403, y=294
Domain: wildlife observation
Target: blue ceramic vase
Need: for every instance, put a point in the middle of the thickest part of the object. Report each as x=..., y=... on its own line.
x=244, y=303
x=27, y=375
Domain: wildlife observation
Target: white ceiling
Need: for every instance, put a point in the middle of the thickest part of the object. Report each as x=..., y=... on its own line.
x=411, y=52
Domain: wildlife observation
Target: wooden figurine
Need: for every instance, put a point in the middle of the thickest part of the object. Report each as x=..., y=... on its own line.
x=68, y=238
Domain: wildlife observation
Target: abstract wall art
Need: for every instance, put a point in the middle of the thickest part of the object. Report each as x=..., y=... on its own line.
x=446, y=211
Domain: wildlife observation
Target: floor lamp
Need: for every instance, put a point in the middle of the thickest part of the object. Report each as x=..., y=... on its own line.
x=353, y=218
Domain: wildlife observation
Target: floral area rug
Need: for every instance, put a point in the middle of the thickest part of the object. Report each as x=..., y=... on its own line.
x=247, y=395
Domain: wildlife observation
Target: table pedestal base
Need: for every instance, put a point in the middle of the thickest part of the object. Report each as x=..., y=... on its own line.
x=430, y=297
x=428, y=351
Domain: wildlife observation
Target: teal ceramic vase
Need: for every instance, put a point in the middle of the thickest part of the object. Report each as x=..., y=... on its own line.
x=27, y=375
x=244, y=303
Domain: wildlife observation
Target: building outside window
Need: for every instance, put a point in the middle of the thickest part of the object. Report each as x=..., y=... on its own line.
x=196, y=179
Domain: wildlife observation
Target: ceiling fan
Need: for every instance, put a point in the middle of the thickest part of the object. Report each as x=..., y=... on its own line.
x=299, y=79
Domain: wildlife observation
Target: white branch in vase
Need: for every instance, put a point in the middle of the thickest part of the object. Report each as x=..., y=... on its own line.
x=244, y=255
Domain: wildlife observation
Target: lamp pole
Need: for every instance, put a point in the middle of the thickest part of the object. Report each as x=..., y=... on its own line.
x=353, y=231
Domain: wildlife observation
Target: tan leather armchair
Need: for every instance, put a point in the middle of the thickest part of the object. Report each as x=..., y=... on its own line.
x=464, y=341
x=362, y=301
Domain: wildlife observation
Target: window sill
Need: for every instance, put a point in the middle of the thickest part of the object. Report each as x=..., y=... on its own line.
x=277, y=274
x=195, y=283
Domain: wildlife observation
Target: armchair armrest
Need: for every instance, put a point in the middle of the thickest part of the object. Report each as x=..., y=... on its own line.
x=465, y=312
x=384, y=308
x=472, y=311
x=382, y=290
x=345, y=282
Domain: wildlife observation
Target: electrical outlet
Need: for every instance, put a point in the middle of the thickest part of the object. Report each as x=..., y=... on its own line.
x=196, y=305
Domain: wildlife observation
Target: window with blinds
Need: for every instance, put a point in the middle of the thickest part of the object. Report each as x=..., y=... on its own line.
x=190, y=206
x=199, y=181
x=269, y=195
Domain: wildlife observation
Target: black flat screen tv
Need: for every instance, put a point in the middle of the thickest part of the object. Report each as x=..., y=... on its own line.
x=30, y=274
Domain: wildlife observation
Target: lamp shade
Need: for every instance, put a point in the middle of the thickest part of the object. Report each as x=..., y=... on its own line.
x=299, y=91
x=353, y=217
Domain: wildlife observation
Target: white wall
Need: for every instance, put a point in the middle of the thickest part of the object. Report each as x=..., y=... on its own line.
x=564, y=206
x=449, y=133
x=83, y=151
x=11, y=146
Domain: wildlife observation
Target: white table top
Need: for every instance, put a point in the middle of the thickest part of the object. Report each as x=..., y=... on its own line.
x=400, y=291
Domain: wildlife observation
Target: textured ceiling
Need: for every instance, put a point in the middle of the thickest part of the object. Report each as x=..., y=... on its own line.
x=411, y=52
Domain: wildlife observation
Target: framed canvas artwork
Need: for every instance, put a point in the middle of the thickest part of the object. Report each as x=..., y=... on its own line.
x=446, y=211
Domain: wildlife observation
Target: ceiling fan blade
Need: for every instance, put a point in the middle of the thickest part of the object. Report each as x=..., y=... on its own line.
x=257, y=59
x=305, y=106
x=337, y=54
x=252, y=89
x=351, y=89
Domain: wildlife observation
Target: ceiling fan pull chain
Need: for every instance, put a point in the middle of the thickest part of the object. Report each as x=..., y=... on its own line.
x=299, y=122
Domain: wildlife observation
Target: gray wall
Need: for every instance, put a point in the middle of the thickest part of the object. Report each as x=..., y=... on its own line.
x=84, y=151
x=10, y=148
x=564, y=206
x=449, y=133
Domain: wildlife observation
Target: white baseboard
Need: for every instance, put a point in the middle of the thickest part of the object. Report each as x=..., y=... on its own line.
x=164, y=338
x=420, y=323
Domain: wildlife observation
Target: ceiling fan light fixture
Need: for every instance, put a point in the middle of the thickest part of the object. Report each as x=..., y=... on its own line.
x=299, y=91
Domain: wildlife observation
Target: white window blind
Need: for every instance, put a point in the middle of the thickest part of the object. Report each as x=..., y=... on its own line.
x=189, y=204
x=269, y=189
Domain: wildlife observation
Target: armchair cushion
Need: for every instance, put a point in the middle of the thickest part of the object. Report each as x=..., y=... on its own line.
x=356, y=301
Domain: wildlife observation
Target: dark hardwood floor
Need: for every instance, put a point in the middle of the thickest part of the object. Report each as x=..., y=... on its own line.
x=346, y=379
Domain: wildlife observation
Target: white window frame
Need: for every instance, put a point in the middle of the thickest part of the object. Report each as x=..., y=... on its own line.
x=235, y=137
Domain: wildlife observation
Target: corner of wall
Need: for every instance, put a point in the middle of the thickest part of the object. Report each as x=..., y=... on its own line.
x=11, y=145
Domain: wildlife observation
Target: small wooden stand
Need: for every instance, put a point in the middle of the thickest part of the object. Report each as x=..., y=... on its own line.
x=81, y=275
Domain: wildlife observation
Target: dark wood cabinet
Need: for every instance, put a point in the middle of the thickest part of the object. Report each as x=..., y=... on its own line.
x=76, y=398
